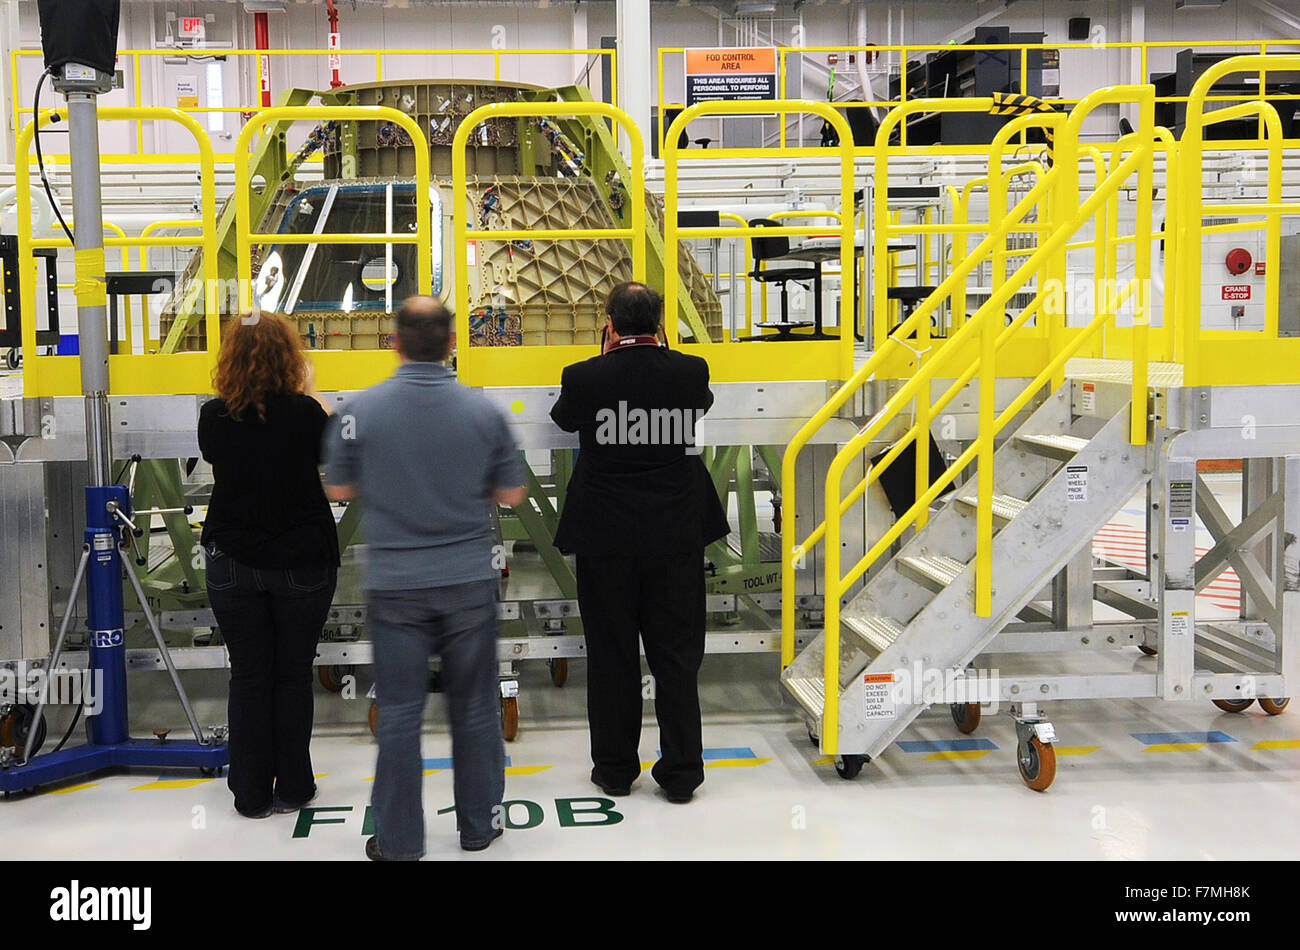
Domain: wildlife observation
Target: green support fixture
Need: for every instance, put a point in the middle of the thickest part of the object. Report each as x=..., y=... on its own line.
x=602, y=158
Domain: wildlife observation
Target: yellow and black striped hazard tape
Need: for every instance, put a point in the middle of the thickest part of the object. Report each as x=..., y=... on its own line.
x=1017, y=104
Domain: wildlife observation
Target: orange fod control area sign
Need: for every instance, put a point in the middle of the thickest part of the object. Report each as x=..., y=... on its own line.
x=730, y=73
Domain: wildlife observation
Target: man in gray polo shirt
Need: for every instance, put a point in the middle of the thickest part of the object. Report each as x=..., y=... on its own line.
x=426, y=458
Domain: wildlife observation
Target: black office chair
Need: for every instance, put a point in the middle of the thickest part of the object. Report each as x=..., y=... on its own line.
x=766, y=248
x=909, y=298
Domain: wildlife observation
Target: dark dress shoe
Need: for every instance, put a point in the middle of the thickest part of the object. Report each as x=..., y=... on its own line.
x=484, y=845
x=616, y=791
x=282, y=807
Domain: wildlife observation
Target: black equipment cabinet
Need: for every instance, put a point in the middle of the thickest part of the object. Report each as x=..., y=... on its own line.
x=966, y=71
x=11, y=335
x=1190, y=65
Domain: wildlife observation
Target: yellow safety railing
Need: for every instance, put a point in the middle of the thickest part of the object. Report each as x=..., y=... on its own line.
x=334, y=369
x=902, y=53
x=152, y=343
x=1232, y=357
x=901, y=364
x=537, y=365
x=375, y=63
x=984, y=327
x=749, y=267
x=137, y=374
x=961, y=201
x=788, y=215
x=117, y=231
x=796, y=359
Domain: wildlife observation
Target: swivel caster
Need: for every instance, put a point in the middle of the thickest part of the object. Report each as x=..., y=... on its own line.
x=1274, y=707
x=1149, y=651
x=1035, y=749
x=17, y=723
x=333, y=678
x=372, y=718
x=211, y=771
x=965, y=716
x=848, y=766
x=559, y=671
x=812, y=737
x=1235, y=705
x=510, y=717
x=1036, y=761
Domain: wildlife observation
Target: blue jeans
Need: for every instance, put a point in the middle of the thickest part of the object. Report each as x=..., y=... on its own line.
x=459, y=624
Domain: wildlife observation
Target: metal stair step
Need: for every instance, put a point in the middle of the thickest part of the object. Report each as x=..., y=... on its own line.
x=934, y=570
x=879, y=632
x=809, y=691
x=1060, y=447
x=1005, y=507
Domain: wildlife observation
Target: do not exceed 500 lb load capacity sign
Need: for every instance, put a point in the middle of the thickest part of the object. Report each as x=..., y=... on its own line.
x=730, y=73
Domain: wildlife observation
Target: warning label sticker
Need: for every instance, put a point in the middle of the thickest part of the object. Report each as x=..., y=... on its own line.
x=1088, y=397
x=1076, y=483
x=1236, y=291
x=878, y=690
x=1180, y=506
x=1180, y=622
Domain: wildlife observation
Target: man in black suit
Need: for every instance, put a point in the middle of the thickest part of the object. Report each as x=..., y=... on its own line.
x=639, y=511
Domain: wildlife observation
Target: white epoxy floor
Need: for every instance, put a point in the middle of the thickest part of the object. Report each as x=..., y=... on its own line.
x=1136, y=779
x=1223, y=787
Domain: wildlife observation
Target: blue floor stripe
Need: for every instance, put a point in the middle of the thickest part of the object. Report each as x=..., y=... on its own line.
x=446, y=763
x=1172, y=738
x=737, y=752
x=944, y=745
x=740, y=752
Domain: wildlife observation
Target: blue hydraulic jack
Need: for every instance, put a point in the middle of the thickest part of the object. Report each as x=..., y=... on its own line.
x=108, y=517
x=109, y=521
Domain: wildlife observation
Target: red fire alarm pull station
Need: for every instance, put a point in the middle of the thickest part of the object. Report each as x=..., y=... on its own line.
x=1239, y=261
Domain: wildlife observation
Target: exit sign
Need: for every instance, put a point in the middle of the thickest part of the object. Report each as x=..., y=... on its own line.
x=192, y=27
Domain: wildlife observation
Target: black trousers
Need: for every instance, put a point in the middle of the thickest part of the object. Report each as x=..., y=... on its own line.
x=271, y=620
x=661, y=598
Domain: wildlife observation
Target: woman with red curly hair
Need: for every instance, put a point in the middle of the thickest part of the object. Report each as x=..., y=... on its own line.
x=272, y=554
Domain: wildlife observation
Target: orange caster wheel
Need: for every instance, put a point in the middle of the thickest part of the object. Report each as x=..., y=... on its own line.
x=1037, y=763
x=373, y=718
x=333, y=677
x=559, y=671
x=1233, y=705
x=510, y=717
x=1274, y=707
x=966, y=716
x=17, y=724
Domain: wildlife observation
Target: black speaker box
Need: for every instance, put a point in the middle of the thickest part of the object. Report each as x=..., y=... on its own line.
x=80, y=31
